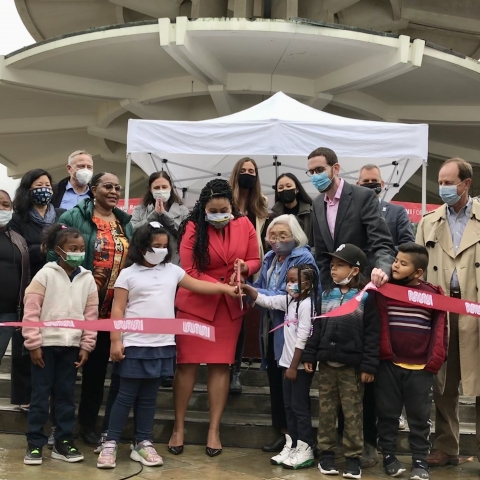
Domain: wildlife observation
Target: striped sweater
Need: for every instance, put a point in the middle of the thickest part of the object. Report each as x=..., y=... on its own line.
x=52, y=296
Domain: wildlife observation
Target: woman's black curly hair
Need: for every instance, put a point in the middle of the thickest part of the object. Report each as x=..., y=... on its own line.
x=216, y=188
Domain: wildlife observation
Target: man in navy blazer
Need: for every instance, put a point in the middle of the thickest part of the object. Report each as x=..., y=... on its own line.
x=395, y=215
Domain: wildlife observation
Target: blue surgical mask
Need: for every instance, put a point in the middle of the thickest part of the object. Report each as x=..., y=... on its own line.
x=283, y=248
x=448, y=193
x=321, y=181
x=218, y=220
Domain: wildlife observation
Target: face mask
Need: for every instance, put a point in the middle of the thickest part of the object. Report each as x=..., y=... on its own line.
x=346, y=280
x=218, y=220
x=402, y=281
x=287, y=196
x=163, y=194
x=5, y=217
x=321, y=181
x=83, y=176
x=73, y=259
x=41, y=195
x=283, y=248
x=448, y=193
x=157, y=256
x=247, y=181
x=293, y=290
x=376, y=187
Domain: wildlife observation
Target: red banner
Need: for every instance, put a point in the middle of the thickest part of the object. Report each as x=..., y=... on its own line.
x=414, y=210
x=411, y=296
x=172, y=326
x=132, y=203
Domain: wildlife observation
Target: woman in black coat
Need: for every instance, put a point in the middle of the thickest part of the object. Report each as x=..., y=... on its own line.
x=33, y=212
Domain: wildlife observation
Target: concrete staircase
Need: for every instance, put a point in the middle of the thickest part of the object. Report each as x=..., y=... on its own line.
x=245, y=423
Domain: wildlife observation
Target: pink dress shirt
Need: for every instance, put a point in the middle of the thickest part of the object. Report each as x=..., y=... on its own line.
x=332, y=207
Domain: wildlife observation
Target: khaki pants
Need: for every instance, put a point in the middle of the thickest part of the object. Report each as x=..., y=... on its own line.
x=447, y=428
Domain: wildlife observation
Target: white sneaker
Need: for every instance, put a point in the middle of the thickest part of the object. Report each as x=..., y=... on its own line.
x=51, y=438
x=300, y=457
x=284, y=454
x=401, y=423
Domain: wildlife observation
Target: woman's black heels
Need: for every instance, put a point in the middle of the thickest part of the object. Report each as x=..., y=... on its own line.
x=175, y=450
x=213, y=452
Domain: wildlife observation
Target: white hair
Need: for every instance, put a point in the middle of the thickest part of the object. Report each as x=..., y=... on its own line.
x=75, y=153
x=291, y=221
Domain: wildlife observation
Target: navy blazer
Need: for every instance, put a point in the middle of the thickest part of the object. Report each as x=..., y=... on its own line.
x=397, y=222
x=358, y=222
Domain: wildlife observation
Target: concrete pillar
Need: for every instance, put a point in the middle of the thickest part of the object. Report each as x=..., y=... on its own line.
x=258, y=9
x=314, y=10
x=209, y=8
x=284, y=9
x=243, y=9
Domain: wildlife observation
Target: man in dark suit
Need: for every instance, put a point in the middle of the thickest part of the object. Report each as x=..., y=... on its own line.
x=395, y=215
x=345, y=213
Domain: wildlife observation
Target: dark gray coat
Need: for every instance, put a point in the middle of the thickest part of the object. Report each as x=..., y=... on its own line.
x=358, y=222
x=397, y=222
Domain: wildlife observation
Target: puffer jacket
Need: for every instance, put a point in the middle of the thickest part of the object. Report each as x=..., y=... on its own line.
x=438, y=345
x=80, y=217
x=352, y=339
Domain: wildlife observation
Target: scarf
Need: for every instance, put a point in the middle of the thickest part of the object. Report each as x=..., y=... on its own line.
x=49, y=219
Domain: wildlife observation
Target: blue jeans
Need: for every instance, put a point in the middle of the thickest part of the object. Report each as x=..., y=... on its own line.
x=60, y=374
x=143, y=393
x=6, y=332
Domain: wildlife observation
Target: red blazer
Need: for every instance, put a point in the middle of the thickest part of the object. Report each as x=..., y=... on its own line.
x=240, y=242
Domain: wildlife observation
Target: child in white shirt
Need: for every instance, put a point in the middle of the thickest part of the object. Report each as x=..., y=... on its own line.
x=299, y=305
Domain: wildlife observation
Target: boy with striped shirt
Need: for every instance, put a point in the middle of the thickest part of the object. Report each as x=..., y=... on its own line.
x=413, y=347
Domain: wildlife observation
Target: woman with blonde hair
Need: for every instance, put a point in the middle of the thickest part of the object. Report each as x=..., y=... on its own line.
x=247, y=196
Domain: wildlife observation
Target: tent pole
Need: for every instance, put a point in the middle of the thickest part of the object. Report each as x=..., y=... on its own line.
x=424, y=187
x=127, y=182
x=276, y=165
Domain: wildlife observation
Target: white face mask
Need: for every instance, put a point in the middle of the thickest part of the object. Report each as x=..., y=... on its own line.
x=157, y=256
x=83, y=176
x=346, y=280
x=163, y=194
x=5, y=217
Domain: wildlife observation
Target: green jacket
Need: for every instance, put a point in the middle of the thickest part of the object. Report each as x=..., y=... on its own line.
x=80, y=217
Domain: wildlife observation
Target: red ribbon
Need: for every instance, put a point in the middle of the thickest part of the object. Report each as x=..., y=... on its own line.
x=412, y=296
x=169, y=326
x=409, y=295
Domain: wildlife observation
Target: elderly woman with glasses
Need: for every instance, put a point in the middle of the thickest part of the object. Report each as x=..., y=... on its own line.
x=289, y=248
x=106, y=230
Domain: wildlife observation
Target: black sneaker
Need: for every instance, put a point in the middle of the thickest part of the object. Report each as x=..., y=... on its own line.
x=420, y=470
x=33, y=455
x=327, y=466
x=392, y=466
x=67, y=452
x=89, y=437
x=353, y=468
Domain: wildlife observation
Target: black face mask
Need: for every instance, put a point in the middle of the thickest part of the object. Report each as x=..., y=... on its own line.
x=247, y=181
x=402, y=281
x=287, y=196
x=376, y=187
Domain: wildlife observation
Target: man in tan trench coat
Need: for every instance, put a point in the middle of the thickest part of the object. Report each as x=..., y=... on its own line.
x=451, y=234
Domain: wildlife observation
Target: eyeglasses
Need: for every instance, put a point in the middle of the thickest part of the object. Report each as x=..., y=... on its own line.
x=111, y=186
x=280, y=238
x=315, y=171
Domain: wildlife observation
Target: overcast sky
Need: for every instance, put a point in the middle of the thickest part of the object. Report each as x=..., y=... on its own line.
x=13, y=35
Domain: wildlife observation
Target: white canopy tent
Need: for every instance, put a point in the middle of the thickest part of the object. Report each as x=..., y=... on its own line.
x=278, y=133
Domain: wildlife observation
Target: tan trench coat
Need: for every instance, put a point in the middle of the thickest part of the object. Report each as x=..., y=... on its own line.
x=434, y=232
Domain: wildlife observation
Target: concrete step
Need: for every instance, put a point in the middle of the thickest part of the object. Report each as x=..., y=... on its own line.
x=237, y=430
x=252, y=400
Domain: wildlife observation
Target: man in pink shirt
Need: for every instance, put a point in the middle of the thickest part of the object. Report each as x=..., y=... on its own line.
x=345, y=213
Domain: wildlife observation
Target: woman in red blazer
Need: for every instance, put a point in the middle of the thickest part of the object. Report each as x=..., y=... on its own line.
x=210, y=240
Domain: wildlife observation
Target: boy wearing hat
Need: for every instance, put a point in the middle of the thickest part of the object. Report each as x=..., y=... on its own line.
x=346, y=348
x=413, y=346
